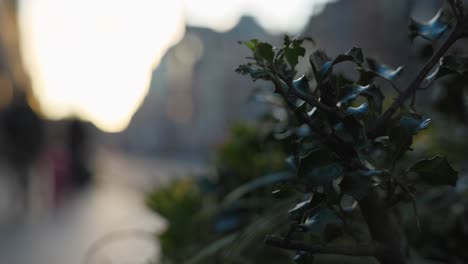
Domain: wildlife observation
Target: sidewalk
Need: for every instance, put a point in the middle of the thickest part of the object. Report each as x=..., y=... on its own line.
x=115, y=203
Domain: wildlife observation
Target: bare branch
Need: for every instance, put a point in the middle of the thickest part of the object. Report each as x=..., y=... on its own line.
x=378, y=125
x=357, y=250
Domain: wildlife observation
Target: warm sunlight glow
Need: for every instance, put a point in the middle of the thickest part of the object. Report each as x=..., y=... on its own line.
x=94, y=58
x=276, y=16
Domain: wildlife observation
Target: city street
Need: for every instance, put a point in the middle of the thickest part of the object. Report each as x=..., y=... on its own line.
x=111, y=211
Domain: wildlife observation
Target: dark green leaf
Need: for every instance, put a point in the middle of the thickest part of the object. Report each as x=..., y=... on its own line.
x=254, y=72
x=286, y=41
x=265, y=50
x=342, y=132
x=384, y=140
x=317, y=222
x=252, y=44
x=354, y=127
x=298, y=210
x=303, y=257
x=317, y=59
x=383, y=70
x=359, y=111
x=292, y=163
x=449, y=64
x=293, y=50
x=353, y=55
x=375, y=98
x=414, y=125
x=302, y=84
x=351, y=92
x=319, y=168
x=431, y=30
x=358, y=183
x=435, y=171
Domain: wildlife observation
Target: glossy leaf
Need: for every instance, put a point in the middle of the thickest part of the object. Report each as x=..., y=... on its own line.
x=384, y=140
x=292, y=163
x=299, y=209
x=359, y=111
x=293, y=50
x=319, y=168
x=449, y=64
x=351, y=92
x=435, y=171
x=265, y=51
x=383, y=70
x=303, y=257
x=317, y=59
x=317, y=222
x=430, y=30
x=375, y=99
x=414, y=125
x=302, y=84
x=353, y=55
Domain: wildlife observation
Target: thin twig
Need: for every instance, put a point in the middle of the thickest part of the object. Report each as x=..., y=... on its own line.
x=378, y=125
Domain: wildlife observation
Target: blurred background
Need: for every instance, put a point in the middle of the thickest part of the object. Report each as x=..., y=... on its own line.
x=102, y=101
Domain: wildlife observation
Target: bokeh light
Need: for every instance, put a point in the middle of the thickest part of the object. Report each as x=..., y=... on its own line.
x=94, y=58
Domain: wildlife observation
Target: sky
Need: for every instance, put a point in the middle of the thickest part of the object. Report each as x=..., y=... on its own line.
x=93, y=58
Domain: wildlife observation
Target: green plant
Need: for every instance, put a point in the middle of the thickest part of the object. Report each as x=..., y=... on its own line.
x=209, y=215
x=178, y=203
x=350, y=158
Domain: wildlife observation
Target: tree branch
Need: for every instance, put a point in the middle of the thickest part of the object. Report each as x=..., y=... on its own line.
x=336, y=144
x=313, y=102
x=376, y=128
x=382, y=229
x=358, y=250
x=305, y=97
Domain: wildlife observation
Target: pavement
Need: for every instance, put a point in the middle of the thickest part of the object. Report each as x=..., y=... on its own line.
x=105, y=223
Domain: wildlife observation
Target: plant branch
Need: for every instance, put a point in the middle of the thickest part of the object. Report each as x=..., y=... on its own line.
x=312, y=101
x=305, y=97
x=358, y=250
x=335, y=143
x=376, y=128
x=382, y=229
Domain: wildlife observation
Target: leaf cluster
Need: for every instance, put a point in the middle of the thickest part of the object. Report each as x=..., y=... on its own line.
x=347, y=145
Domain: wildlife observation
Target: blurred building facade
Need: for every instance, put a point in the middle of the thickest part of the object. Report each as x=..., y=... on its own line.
x=195, y=94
